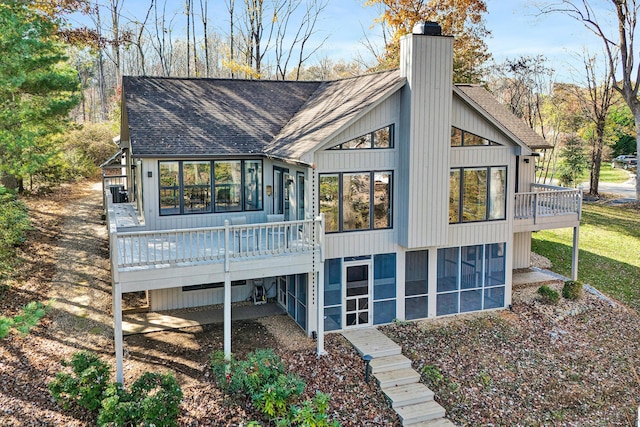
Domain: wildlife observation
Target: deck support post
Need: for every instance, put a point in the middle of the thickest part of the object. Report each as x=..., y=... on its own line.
x=227, y=294
x=117, y=331
x=320, y=307
x=575, y=251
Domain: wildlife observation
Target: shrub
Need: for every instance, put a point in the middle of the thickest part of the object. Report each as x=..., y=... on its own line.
x=5, y=326
x=433, y=374
x=85, y=386
x=261, y=367
x=14, y=222
x=274, y=398
x=153, y=400
x=312, y=413
x=572, y=290
x=548, y=295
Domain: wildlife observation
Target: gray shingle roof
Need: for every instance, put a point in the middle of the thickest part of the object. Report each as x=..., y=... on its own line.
x=501, y=114
x=332, y=107
x=191, y=117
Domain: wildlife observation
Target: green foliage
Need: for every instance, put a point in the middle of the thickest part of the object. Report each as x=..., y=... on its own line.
x=432, y=374
x=25, y=321
x=30, y=316
x=85, y=386
x=574, y=161
x=274, y=398
x=14, y=222
x=262, y=377
x=548, y=295
x=153, y=400
x=85, y=149
x=249, y=376
x=37, y=91
x=572, y=290
x=312, y=413
x=5, y=326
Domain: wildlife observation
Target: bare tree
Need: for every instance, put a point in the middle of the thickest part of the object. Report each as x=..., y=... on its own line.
x=619, y=48
x=163, y=41
x=596, y=105
x=204, y=18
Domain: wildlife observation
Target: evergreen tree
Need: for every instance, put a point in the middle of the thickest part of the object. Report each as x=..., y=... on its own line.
x=37, y=92
x=574, y=161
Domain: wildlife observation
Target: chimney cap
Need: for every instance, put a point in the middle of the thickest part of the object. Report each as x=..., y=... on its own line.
x=427, y=28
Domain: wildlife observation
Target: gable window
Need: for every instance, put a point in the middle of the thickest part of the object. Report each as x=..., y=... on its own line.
x=356, y=201
x=381, y=138
x=189, y=187
x=462, y=138
x=477, y=194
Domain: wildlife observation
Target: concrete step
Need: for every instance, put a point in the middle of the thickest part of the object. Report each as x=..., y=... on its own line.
x=408, y=394
x=372, y=342
x=413, y=414
x=397, y=377
x=389, y=363
x=440, y=422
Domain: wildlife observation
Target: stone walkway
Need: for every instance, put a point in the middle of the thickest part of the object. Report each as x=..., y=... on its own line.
x=412, y=400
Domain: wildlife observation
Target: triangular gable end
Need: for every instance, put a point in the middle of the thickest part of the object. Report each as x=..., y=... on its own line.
x=513, y=128
x=330, y=110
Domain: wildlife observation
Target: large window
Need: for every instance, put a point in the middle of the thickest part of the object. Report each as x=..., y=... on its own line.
x=188, y=187
x=333, y=294
x=384, y=288
x=356, y=201
x=381, y=138
x=297, y=299
x=470, y=278
x=462, y=138
x=416, y=288
x=477, y=194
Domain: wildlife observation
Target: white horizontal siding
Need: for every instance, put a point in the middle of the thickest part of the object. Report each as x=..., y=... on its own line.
x=175, y=298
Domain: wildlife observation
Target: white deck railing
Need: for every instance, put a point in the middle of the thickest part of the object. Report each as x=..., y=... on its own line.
x=547, y=200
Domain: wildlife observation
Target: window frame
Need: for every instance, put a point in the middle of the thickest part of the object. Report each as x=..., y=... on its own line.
x=372, y=199
x=212, y=187
x=487, y=194
x=372, y=140
x=490, y=143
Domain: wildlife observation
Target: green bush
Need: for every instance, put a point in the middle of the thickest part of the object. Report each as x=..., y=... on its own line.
x=14, y=222
x=312, y=413
x=274, y=398
x=548, y=295
x=572, y=290
x=24, y=322
x=249, y=376
x=5, y=326
x=85, y=386
x=153, y=400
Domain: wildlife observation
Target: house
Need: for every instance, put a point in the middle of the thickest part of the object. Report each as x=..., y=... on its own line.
x=393, y=195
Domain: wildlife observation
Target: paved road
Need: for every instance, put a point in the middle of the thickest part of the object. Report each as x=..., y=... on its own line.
x=626, y=189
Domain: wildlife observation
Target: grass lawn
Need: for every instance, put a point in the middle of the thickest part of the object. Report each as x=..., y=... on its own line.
x=607, y=174
x=609, y=250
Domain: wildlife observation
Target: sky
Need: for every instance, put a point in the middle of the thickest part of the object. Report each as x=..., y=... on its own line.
x=515, y=29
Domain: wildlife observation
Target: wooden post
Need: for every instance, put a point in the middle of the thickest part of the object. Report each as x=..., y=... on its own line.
x=227, y=294
x=575, y=251
x=117, y=331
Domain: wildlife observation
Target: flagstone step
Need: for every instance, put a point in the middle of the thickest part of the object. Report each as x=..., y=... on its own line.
x=413, y=414
x=372, y=342
x=440, y=422
x=389, y=363
x=397, y=377
x=408, y=394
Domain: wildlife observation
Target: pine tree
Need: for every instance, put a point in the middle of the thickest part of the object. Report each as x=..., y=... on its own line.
x=574, y=161
x=37, y=92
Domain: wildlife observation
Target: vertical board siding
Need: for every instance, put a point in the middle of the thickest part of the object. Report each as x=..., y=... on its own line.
x=384, y=114
x=482, y=156
x=355, y=160
x=478, y=233
x=522, y=250
x=341, y=245
x=429, y=78
x=466, y=118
